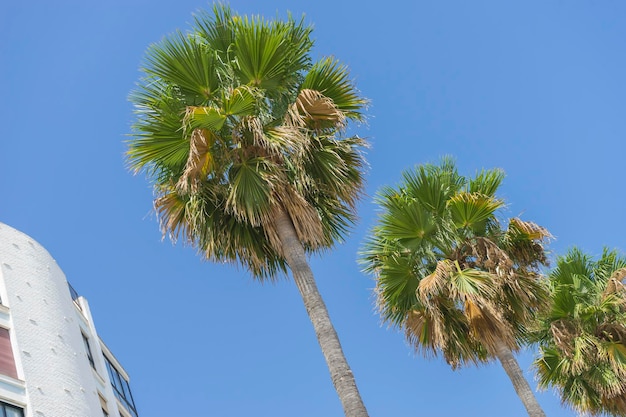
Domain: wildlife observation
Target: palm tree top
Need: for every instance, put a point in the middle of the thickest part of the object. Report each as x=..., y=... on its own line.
x=235, y=122
x=582, y=336
x=448, y=273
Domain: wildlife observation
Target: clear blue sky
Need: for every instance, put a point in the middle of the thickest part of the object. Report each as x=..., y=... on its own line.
x=536, y=88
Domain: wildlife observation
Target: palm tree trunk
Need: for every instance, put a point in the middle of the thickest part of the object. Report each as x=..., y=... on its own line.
x=340, y=372
x=524, y=392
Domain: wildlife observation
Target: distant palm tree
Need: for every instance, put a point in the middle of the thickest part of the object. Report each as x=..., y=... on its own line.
x=450, y=276
x=241, y=134
x=582, y=338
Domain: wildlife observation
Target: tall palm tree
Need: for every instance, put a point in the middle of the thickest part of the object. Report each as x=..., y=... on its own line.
x=242, y=135
x=582, y=337
x=449, y=275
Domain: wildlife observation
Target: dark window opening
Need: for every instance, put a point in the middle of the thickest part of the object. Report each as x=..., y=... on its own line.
x=8, y=410
x=88, y=350
x=121, y=389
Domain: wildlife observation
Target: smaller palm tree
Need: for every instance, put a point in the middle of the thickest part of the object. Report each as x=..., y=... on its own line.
x=582, y=337
x=457, y=282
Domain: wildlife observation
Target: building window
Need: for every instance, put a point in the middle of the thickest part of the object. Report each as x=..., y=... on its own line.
x=88, y=350
x=8, y=410
x=121, y=389
x=7, y=361
x=103, y=405
x=75, y=296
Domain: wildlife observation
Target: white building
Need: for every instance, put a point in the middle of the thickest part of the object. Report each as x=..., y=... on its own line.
x=52, y=362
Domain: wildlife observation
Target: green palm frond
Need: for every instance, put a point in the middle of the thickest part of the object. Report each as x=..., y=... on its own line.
x=184, y=61
x=217, y=29
x=396, y=293
x=432, y=185
x=409, y=224
x=269, y=55
x=326, y=166
x=251, y=189
x=205, y=117
x=332, y=79
x=241, y=101
x=335, y=216
x=159, y=143
x=350, y=151
x=472, y=210
x=472, y=284
x=486, y=182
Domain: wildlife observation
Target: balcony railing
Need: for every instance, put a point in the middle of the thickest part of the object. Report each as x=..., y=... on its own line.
x=74, y=295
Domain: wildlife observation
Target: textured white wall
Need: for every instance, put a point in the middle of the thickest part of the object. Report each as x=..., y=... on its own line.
x=59, y=379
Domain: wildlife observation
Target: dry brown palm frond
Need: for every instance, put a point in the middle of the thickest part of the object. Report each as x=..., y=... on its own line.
x=490, y=257
x=532, y=230
x=619, y=275
x=488, y=326
x=199, y=162
x=187, y=118
x=421, y=330
x=270, y=231
x=523, y=295
x=524, y=242
x=304, y=217
x=615, y=287
x=563, y=333
x=253, y=260
x=172, y=214
x=609, y=388
x=616, y=290
x=612, y=332
x=616, y=404
x=251, y=126
x=285, y=139
x=585, y=346
x=434, y=284
x=313, y=110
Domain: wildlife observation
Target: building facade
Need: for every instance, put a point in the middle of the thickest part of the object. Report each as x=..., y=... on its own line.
x=52, y=362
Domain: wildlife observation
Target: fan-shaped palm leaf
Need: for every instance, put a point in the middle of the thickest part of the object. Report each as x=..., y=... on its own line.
x=472, y=210
x=486, y=182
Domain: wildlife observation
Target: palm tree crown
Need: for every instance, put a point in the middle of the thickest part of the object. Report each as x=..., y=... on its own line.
x=582, y=337
x=243, y=137
x=234, y=123
x=448, y=274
